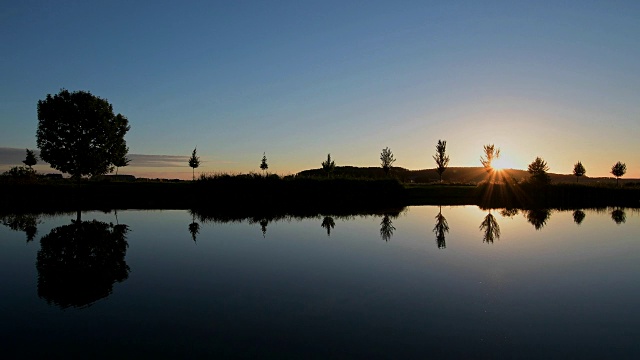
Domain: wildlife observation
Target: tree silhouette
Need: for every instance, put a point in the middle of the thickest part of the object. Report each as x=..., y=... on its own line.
x=491, y=229
x=538, y=170
x=328, y=223
x=538, y=217
x=329, y=165
x=79, y=134
x=386, y=160
x=578, y=170
x=386, y=228
x=490, y=153
x=79, y=263
x=441, y=158
x=441, y=228
x=30, y=159
x=121, y=161
x=28, y=223
x=263, y=164
x=194, y=162
x=618, y=170
x=619, y=216
x=578, y=216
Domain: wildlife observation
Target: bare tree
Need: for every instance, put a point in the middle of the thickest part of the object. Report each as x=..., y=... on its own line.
x=490, y=153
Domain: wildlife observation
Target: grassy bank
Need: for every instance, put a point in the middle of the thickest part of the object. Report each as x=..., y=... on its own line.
x=299, y=193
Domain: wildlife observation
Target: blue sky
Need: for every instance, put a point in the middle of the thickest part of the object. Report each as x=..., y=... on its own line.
x=300, y=79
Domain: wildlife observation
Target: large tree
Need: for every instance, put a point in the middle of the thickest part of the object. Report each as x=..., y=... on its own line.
x=79, y=134
x=618, y=170
x=579, y=170
x=441, y=157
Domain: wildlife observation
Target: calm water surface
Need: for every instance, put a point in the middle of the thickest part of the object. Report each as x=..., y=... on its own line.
x=456, y=282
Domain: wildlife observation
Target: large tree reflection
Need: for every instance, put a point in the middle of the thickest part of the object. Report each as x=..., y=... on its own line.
x=491, y=229
x=79, y=263
x=441, y=228
x=386, y=228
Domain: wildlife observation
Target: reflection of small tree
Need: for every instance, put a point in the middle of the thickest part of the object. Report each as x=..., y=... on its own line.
x=329, y=165
x=263, y=164
x=79, y=263
x=194, y=228
x=441, y=158
x=490, y=153
x=386, y=228
x=538, y=217
x=194, y=162
x=386, y=160
x=618, y=170
x=491, y=229
x=579, y=170
x=538, y=170
x=578, y=216
x=263, y=227
x=619, y=216
x=441, y=228
x=30, y=159
x=328, y=223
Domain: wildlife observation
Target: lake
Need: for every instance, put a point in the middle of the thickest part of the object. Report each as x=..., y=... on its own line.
x=450, y=282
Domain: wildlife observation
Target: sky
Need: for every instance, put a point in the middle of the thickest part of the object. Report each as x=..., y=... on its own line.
x=300, y=79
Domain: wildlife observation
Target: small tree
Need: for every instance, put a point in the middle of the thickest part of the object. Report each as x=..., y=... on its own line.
x=329, y=165
x=490, y=153
x=578, y=170
x=618, y=170
x=386, y=160
x=538, y=170
x=31, y=159
x=121, y=161
x=263, y=164
x=194, y=162
x=441, y=158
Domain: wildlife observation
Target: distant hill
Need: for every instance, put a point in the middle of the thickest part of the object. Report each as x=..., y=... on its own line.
x=452, y=174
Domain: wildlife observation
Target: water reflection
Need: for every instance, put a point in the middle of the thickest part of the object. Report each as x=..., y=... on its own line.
x=441, y=228
x=509, y=212
x=619, y=216
x=79, y=263
x=386, y=228
x=578, y=216
x=328, y=223
x=263, y=226
x=491, y=229
x=194, y=227
x=28, y=223
x=538, y=217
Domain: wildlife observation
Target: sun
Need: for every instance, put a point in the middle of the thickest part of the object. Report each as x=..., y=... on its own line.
x=499, y=164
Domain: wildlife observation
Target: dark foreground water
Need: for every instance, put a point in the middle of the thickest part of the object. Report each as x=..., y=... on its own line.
x=457, y=283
